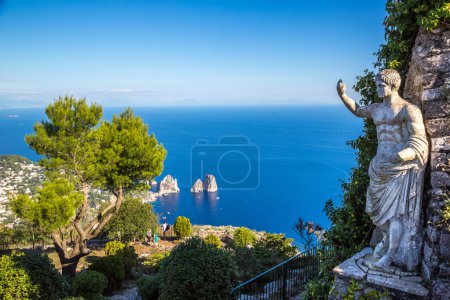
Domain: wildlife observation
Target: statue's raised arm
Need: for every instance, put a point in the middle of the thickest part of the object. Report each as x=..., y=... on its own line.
x=353, y=107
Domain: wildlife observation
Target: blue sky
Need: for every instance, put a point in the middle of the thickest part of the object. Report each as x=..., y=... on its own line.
x=186, y=52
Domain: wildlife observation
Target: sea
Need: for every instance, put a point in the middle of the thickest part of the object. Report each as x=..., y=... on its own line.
x=273, y=164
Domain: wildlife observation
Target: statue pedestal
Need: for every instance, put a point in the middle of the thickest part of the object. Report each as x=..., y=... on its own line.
x=353, y=276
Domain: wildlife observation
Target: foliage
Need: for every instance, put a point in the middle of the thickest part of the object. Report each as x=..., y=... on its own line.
x=52, y=207
x=127, y=255
x=243, y=237
x=112, y=267
x=309, y=233
x=148, y=287
x=446, y=209
x=247, y=261
x=15, y=283
x=51, y=284
x=212, y=239
x=153, y=262
x=132, y=221
x=112, y=247
x=355, y=291
x=90, y=284
x=351, y=227
x=6, y=236
x=196, y=270
x=273, y=249
x=182, y=227
x=129, y=259
x=116, y=156
x=434, y=17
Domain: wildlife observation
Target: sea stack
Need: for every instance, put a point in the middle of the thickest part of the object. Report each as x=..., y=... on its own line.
x=167, y=186
x=197, y=187
x=209, y=183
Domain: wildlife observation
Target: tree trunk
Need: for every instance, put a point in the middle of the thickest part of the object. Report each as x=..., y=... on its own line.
x=69, y=266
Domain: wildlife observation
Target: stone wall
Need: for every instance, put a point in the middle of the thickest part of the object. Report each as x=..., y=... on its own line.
x=428, y=86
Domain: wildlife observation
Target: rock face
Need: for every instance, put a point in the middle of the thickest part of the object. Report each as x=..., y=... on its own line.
x=428, y=86
x=197, y=187
x=168, y=185
x=209, y=183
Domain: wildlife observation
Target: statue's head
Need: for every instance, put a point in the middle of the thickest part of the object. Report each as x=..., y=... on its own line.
x=387, y=81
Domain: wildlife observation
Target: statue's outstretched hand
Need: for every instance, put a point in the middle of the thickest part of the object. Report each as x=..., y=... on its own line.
x=341, y=87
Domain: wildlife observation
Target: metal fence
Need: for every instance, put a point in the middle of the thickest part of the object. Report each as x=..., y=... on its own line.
x=169, y=235
x=285, y=280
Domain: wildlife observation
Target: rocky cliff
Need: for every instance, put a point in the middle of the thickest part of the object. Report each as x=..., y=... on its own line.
x=168, y=185
x=428, y=86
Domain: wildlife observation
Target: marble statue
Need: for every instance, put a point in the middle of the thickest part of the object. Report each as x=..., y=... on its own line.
x=394, y=195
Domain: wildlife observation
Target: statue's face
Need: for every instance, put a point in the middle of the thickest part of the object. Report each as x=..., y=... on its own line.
x=383, y=89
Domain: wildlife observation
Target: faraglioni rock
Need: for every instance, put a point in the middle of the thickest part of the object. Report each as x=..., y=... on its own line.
x=394, y=195
x=209, y=183
x=197, y=187
x=168, y=185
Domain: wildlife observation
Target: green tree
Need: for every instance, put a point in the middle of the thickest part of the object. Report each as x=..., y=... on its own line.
x=243, y=237
x=182, y=227
x=116, y=156
x=132, y=221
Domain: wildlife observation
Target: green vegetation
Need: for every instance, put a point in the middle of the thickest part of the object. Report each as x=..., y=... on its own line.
x=15, y=283
x=243, y=237
x=132, y=221
x=151, y=265
x=80, y=152
x=213, y=240
x=148, y=287
x=351, y=228
x=90, y=285
x=30, y=276
x=196, y=270
x=113, y=247
x=113, y=269
x=182, y=227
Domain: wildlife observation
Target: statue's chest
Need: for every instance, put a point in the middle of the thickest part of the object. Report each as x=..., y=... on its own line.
x=388, y=116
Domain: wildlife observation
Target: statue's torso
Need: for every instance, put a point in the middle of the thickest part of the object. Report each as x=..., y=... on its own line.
x=392, y=130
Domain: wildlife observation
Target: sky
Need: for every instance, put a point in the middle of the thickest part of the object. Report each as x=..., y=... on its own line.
x=185, y=52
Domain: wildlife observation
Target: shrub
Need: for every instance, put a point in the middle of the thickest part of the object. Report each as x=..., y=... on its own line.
x=148, y=287
x=113, y=247
x=90, y=284
x=182, y=227
x=51, y=284
x=15, y=283
x=129, y=259
x=243, y=237
x=274, y=248
x=112, y=267
x=195, y=270
x=153, y=262
x=213, y=240
x=249, y=264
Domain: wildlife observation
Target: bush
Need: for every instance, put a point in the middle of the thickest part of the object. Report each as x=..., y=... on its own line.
x=148, y=287
x=15, y=283
x=113, y=247
x=213, y=240
x=195, y=270
x=51, y=284
x=182, y=227
x=249, y=264
x=90, y=284
x=243, y=237
x=273, y=249
x=153, y=262
x=126, y=254
x=112, y=267
x=129, y=259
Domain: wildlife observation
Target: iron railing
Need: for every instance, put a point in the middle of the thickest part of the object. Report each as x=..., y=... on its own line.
x=285, y=280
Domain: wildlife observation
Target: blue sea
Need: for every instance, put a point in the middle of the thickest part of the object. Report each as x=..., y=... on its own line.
x=272, y=164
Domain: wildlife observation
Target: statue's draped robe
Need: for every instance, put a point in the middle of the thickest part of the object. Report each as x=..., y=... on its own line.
x=395, y=190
